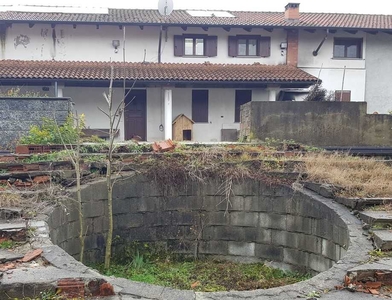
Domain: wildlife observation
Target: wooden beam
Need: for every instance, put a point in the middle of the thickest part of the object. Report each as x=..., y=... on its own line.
x=184, y=28
x=53, y=25
x=374, y=32
x=205, y=28
x=351, y=31
x=248, y=29
x=74, y=26
x=31, y=25
x=141, y=27
x=269, y=29
x=310, y=30
x=227, y=29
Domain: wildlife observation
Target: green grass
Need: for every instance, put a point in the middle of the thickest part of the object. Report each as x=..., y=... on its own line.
x=205, y=275
x=8, y=244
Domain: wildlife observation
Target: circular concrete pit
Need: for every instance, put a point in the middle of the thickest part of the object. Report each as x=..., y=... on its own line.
x=291, y=227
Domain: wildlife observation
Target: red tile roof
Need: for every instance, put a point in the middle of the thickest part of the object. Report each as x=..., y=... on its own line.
x=181, y=17
x=74, y=70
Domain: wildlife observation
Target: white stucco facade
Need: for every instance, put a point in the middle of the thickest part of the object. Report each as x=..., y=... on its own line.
x=89, y=43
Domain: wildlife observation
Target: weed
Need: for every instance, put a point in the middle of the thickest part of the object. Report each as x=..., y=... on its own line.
x=8, y=244
x=313, y=295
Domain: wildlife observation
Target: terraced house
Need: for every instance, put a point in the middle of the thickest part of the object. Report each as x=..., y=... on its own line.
x=203, y=64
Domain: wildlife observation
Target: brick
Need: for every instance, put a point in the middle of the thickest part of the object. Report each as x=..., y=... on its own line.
x=241, y=249
x=71, y=288
x=249, y=219
x=32, y=255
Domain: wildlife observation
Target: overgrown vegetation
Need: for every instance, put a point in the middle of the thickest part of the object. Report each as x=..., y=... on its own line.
x=18, y=93
x=49, y=132
x=203, y=275
x=357, y=177
x=318, y=93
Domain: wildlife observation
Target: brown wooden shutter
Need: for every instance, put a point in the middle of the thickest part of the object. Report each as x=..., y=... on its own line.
x=233, y=46
x=179, y=45
x=211, y=46
x=265, y=46
x=200, y=106
x=345, y=96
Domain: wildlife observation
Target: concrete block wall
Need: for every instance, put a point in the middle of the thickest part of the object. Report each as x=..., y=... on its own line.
x=268, y=222
x=18, y=114
x=315, y=123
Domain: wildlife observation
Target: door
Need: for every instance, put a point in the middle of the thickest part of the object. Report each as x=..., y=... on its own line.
x=135, y=115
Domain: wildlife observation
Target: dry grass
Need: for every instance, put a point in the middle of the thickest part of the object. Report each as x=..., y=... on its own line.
x=359, y=177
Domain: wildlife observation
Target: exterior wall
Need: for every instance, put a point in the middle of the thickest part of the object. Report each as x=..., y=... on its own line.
x=86, y=42
x=378, y=73
x=18, y=114
x=332, y=69
x=221, y=109
x=316, y=123
x=264, y=222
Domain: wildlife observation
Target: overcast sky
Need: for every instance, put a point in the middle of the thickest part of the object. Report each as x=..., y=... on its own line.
x=346, y=6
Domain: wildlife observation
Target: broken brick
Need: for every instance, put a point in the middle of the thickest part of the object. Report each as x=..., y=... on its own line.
x=7, y=158
x=31, y=255
x=106, y=289
x=373, y=285
x=22, y=149
x=71, y=288
x=41, y=179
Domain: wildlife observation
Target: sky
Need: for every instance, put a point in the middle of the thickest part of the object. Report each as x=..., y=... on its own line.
x=344, y=6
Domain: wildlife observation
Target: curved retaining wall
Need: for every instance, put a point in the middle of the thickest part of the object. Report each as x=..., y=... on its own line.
x=269, y=222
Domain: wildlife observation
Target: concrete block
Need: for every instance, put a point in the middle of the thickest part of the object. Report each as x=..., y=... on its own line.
x=129, y=221
x=269, y=252
x=93, y=209
x=151, y=189
x=263, y=236
x=284, y=238
x=323, y=228
x=141, y=234
x=309, y=243
x=246, y=188
x=161, y=218
x=217, y=218
x=295, y=257
x=318, y=263
x=184, y=218
x=241, y=249
x=183, y=202
x=149, y=204
x=237, y=203
x=329, y=250
x=376, y=217
x=299, y=224
x=214, y=247
x=215, y=203
x=249, y=219
x=272, y=221
x=383, y=239
x=258, y=203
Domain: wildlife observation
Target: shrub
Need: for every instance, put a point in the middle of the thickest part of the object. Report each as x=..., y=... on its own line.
x=49, y=132
x=318, y=93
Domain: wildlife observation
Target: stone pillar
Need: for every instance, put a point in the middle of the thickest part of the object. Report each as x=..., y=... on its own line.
x=168, y=114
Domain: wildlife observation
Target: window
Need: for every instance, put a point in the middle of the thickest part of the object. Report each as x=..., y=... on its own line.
x=200, y=106
x=347, y=48
x=344, y=96
x=241, y=97
x=195, y=45
x=249, y=45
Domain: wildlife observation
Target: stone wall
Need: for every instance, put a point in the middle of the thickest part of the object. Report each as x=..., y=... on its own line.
x=316, y=123
x=18, y=114
x=271, y=223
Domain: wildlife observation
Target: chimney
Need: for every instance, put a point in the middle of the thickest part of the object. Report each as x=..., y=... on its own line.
x=292, y=12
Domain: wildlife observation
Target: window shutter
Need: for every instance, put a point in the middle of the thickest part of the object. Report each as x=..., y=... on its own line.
x=211, y=46
x=233, y=47
x=265, y=46
x=345, y=96
x=178, y=45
